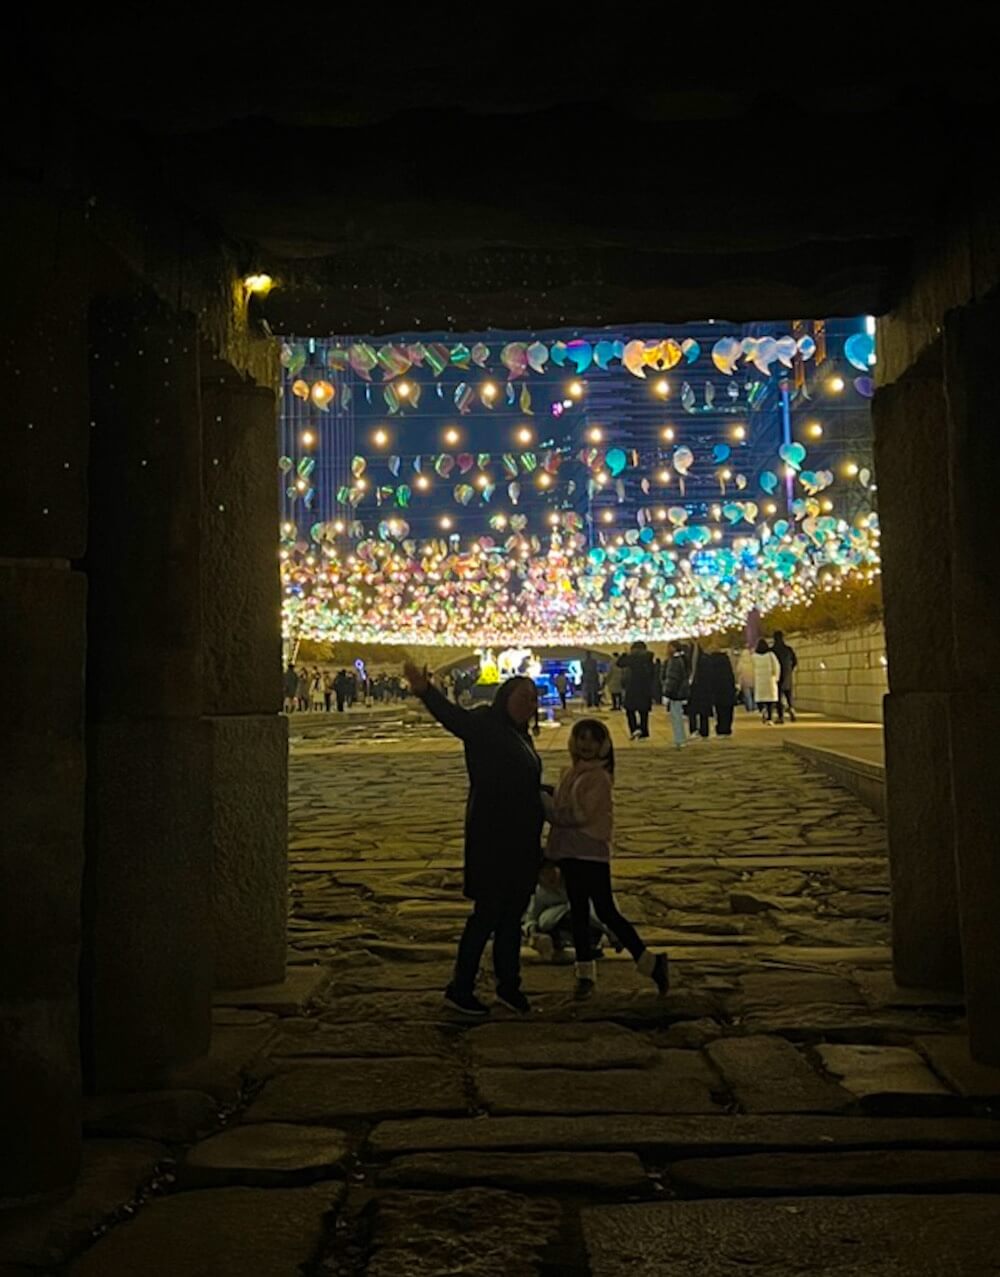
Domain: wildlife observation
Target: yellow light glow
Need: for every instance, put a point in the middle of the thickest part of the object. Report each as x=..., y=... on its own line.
x=836, y=384
x=600, y=478
x=308, y=438
x=482, y=481
x=851, y=469
x=260, y=285
x=814, y=430
x=739, y=432
x=489, y=390
x=664, y=476
x=668, y=434
x=554, y=519
x=661, y=514
x=524, y=435
x=827, y=506
x=575, y=389
x=362, y=485
x=445, y=523
x=544, y=480
x=608, y=516
x=717, y=535
x=381, y=438
x=727, y=474
x=451, y=436
x=771, y=508
x=404, y=389
x=338, y=526
x=422, y=482
x=596, y=435
x=790, y=472
x=301, y=485
x=662, y=387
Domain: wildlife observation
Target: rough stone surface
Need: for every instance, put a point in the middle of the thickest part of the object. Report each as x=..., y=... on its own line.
x=172, y=1117
x=561, y=1046
x=822, y=1237
x=880, y=1073
x=477, y=1231
x=612, y=1174
x=950, y=1058
x=110, y=1173
x=768, y=1075
x=287, y=997
x=359, y=1040
x=370, y=1088
x=733, y=1133
x=873, y=1171
x=679, y=1083
x=272, y=1155
x=249, y=788
x=267, y=1232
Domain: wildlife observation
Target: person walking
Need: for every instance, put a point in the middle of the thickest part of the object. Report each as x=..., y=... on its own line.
x=317, y=693
x=328, y=681
x=341, y=689
x=789, y=663
x=503, y=831
x=677, y=690
x=766, y=679
x=591, y=680
x=581, y=813
x=562, y=687
x=303, y=690
x=638, y=668
x=722, y=686
x=291, y=686
x=744, y=676
x=615, y=682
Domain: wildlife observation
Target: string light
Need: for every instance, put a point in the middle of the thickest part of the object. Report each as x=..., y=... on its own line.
x=739, y=433
x=662, y=387
x=524, y=435
x=814, y=430
x=489, y=390
x=404, y=389
x=259, y=284
x=667, y=434
x=544, y=480
x=308, y=438
x=595, y=434
x=575, y=390
x=381, y=438
x=451, y=436
x=422, y=482
x=664, y=476
x=836, y=384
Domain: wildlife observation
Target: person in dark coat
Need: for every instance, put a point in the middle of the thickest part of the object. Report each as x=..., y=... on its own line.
x=788, y=662
x=503, y=831
x=639, y=688
x=677, y=690
x=713, y=691
x=341, y=689
x=591, y=680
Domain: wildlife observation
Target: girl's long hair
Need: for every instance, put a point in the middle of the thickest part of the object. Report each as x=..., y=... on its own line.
x=605, y=748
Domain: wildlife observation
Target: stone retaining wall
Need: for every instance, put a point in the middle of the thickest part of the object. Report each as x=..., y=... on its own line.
x=843, y=674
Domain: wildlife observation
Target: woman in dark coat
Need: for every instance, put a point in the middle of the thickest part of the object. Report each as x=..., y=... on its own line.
x=713, y=691
x=503, y=831
x=639, y=679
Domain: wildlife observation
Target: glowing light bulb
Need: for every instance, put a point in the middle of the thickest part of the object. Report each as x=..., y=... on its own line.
x=287, y=529
x=308, y=438
x=814, y=430
x=595, y=435
x=422, y=482
x=771, y=508
x=554, y=519
x=362, y=484
x=489, y=390
x=544, y=480
x=661, y=514
x=524, y=435
x=575, y=390
x=600, y=478
x=608, y=517
x=381, y=438
x=717, y=535
x=836, y=384
x=662, y=387
x=739, y=432
x=445, y=523
x=668, y=434
x=790, y=472
x=664, y=476
x=451, y=436
x=260, y=284
x=301, y=485
x=727, y=474
x=828, y=506
x=851, y=469
x=482, y=481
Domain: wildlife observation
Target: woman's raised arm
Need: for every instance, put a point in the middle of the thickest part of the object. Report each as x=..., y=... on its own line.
x=453, y=718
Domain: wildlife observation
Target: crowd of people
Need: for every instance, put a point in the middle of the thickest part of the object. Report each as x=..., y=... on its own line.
x=321, y=691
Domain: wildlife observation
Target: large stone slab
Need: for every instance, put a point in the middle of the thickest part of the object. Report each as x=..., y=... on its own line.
x=173, y=1117
x=365, y=1039
x=884, y=1077
x=680, y=1082
x=768, y=1075
x=949, y=1056
x=788, y=988
x=607, y=1174
x=822, y=1237
x=371, y=1088
x=269, y=1155
x=270, y=1232
x=733, y=1133
x=478, y=1232
x=298, y=989
x=111, y=1172
x=559, y=1045
x=872, y=1171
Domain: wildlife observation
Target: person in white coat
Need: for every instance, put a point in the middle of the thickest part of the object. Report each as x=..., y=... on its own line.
x=766, y=678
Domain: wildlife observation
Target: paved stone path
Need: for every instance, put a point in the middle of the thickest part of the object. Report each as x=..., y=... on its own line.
x=373, y=1133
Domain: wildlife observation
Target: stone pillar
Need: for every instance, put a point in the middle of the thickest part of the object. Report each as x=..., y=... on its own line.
x=970, y=335
x=43, y=371
x=242, y=681
x=147, y=969
x=910, y=457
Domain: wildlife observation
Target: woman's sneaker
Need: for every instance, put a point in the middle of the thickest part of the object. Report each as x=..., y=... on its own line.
x=586, y=981
x=465, y=1003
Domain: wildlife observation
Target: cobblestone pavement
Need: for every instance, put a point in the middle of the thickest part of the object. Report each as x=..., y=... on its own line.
x=376, y=1134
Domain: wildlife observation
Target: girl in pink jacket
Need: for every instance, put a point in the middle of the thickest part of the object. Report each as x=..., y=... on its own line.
x=581, y=815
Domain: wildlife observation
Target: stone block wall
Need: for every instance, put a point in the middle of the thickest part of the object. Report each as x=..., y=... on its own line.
x=843, y=674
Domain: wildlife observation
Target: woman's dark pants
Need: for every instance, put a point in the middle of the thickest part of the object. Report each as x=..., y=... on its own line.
x=590, y=880
x=499, y=917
